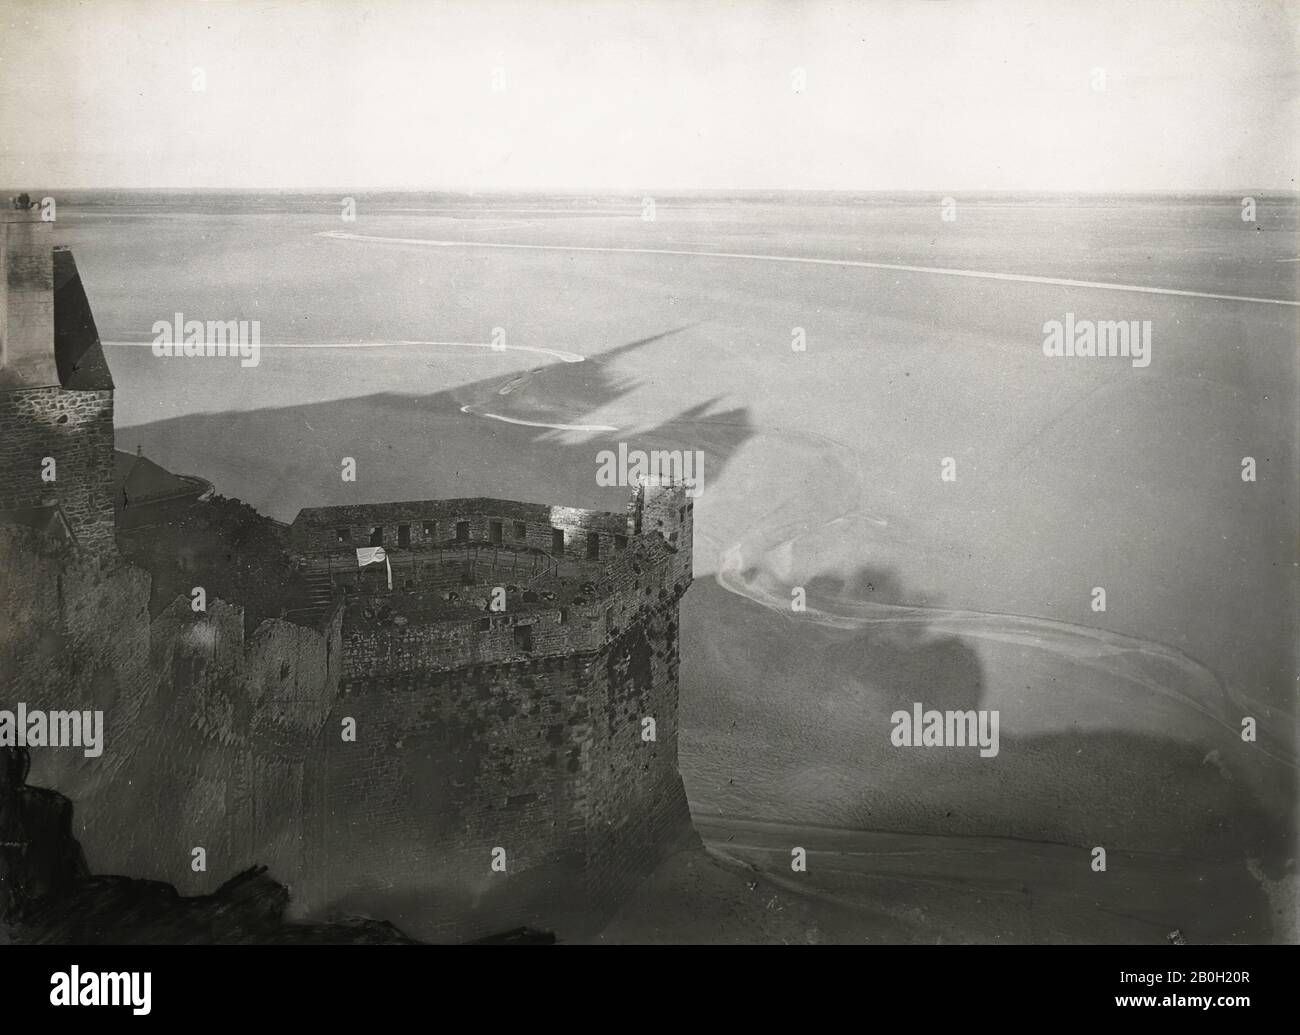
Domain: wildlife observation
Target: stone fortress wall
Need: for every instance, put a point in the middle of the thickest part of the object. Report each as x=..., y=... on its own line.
x=472, y=736
x=546, y=728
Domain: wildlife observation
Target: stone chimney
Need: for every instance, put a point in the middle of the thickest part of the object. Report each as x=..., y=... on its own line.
x=26, y=297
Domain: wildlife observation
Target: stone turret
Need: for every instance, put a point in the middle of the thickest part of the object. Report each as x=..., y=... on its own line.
x=26, y=298
x=56, y=394
x=666, y=508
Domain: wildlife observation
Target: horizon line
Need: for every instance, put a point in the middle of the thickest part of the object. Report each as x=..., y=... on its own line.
x=647, y=191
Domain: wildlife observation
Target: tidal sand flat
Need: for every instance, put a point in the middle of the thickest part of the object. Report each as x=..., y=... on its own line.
x=824, y=471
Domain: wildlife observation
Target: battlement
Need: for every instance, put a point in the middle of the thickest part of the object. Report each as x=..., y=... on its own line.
x=459, y=560
x=558, y=531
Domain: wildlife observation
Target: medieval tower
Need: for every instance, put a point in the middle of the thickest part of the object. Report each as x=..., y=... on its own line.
x=56, y=394
x=466, y=721
x=514, y=670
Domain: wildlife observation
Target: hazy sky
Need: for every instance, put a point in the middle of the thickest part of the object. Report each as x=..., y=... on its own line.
x=942, y=95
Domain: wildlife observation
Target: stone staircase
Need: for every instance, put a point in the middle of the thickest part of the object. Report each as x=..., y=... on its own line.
x=317, y=599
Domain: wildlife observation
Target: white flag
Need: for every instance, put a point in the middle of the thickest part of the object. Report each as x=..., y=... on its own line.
x=373, y=555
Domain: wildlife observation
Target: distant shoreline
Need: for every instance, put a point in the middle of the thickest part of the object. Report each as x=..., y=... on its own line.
x=601, y=202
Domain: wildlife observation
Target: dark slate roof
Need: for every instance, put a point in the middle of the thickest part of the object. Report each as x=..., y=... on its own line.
x=77, y=351
x=142, y=479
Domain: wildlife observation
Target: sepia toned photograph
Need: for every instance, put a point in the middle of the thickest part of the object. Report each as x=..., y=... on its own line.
x=623, y=473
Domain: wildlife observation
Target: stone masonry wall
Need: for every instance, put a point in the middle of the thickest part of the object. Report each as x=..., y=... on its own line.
x=75, y=636
x=466, y=742
x=241, y=715
x=76, y=429
x=445, y=767
x=637, y=800
x=204, y=732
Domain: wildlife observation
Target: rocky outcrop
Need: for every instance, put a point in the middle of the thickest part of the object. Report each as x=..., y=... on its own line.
x=49, y=896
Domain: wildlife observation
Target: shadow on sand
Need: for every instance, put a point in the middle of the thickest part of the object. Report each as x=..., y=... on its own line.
x=790, y=722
